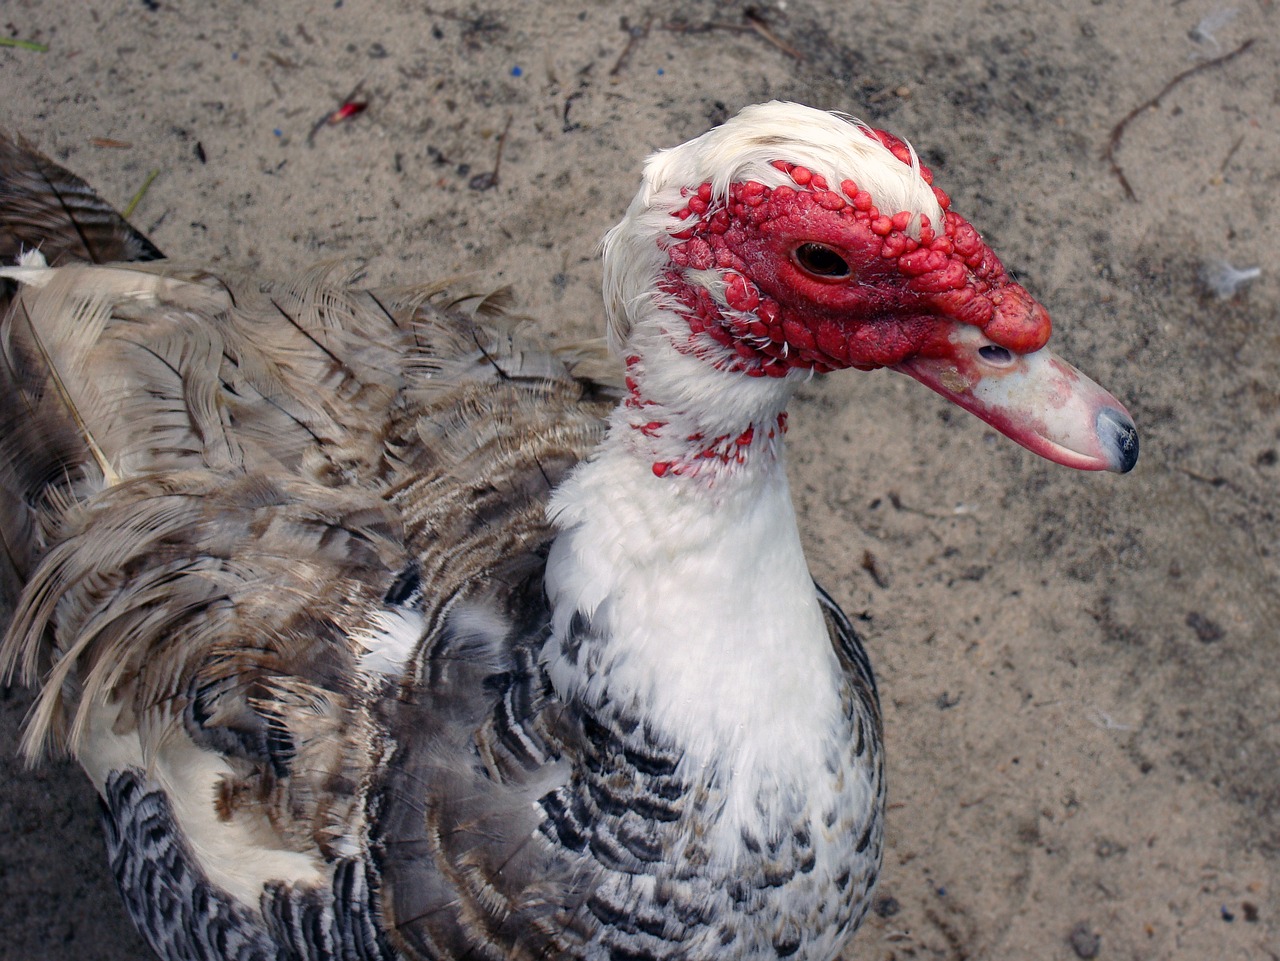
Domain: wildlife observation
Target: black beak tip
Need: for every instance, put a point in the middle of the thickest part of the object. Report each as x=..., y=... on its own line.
x=1118, y=432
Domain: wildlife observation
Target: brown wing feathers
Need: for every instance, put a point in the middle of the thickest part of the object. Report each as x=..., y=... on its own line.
x=49, y=209
x=214, y=493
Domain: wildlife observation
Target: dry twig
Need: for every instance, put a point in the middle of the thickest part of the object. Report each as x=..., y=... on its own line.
x=755, y=24
x=634, y=36
x=1117, y=132
x=489, y=178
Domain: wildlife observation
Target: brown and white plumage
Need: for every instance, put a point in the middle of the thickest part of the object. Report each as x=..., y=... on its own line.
x=382, y=638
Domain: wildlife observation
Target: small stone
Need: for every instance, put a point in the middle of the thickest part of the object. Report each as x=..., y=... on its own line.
x=946, y=700
x=887, y=906
x=1084, y=942
x=1207, y=630
x=1107, y=848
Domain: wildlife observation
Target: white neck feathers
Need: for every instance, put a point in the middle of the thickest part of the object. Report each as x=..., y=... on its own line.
x=704, y=618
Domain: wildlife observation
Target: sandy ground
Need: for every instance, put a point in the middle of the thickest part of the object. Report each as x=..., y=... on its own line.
x=1080, y=674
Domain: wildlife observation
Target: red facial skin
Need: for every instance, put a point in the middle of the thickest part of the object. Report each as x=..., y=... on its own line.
x=898, y=300
x=809, y=278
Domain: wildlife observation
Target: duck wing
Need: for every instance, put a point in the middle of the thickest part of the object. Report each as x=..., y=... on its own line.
x=242, y=522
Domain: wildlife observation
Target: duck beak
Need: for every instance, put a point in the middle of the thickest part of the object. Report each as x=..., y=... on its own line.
x=1036, y=399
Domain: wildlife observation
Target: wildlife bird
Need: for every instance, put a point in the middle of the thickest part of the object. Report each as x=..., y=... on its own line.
x=385, y=633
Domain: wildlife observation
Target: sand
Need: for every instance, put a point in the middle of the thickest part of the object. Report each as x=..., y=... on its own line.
x=1080, y=673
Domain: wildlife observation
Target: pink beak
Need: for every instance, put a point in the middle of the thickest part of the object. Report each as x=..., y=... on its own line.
x=1036, y=399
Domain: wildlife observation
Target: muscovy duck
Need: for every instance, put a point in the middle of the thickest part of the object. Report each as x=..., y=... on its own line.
x=386, y=633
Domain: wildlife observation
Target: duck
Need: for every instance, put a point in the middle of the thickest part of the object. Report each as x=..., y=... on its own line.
x=385, y=631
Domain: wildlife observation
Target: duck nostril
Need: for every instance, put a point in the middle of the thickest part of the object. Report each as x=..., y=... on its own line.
x=996, y=355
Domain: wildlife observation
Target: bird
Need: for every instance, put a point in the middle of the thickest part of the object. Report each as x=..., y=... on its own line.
x=385, y=631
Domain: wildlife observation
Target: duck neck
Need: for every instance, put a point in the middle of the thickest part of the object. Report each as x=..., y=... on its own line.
x=679, y=589
x=686, y=420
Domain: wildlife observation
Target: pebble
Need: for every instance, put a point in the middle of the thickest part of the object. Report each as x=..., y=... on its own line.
x=1084, y=942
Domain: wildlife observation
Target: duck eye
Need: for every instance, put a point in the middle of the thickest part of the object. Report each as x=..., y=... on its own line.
x=820, y=260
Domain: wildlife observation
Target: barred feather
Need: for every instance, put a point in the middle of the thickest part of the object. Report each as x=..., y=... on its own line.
x=47, y=208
